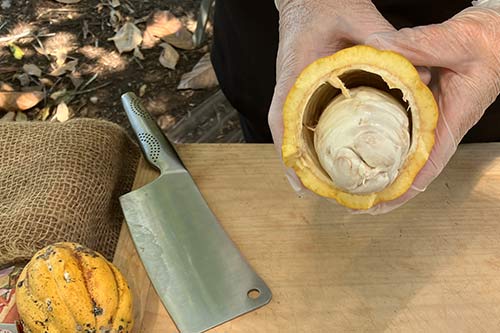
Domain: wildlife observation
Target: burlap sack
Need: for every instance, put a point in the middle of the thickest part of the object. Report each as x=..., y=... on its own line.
x=61, y=182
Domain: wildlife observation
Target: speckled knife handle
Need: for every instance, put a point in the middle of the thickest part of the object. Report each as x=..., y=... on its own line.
x=154, y=144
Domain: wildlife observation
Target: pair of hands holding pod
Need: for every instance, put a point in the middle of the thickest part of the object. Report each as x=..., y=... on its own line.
x=458, y=59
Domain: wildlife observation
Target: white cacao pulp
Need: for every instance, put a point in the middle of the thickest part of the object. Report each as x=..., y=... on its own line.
x=362, y=139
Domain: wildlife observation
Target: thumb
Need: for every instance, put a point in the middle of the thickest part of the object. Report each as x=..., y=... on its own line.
x=432, y=45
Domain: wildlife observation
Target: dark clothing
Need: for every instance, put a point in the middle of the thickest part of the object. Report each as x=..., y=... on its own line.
x=246, y=43
x=244, y=56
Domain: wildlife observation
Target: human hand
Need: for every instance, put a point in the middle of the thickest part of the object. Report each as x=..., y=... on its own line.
x=464, y=54
x=311, y=29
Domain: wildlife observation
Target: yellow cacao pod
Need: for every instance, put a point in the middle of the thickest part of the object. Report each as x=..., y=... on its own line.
x=359, y=126
x=68, y=288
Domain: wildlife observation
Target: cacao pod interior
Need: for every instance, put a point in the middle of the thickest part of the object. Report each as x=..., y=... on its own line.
x=327, y=77
x=326, y=92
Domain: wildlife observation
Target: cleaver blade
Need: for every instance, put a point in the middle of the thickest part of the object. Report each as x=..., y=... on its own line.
x=9, y=328
x=196, y=269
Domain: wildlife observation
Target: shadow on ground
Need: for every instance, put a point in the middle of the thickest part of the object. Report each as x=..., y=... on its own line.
x=82, y=31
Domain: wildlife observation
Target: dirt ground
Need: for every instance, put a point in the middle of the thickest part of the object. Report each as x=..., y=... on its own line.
x=82, y=30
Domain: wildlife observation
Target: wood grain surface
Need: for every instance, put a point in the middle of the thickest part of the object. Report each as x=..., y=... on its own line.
x=432, y=265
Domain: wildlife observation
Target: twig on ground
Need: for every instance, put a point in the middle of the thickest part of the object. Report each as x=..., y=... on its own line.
x=80, y=107
x=54, y=10
x=7, y=39
x=92, y=79
x=129, y=6
x=8, y=70
x=85, y=29
x=138, y=62
x=141, y=20
x=46, y=34
x=91, y=89
x=3, y=25
x=42, y=48
x=24, y=34
x=59, y=79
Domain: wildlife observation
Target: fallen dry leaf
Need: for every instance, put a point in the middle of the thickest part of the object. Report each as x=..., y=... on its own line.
x=138, y=54
x=191, y=24
x=44, y=113
x=24, y=79
x=31, y=88
x=164, y=25
x=142, y=90
x=115, y=19
x=62, y=112
x=58, y=94
x=76, y=79
x=166, y=121
x=61, y=57
x=21, y=117
x=201, y=77
x=127, y=38
x=100, y=6
x=183, y=39
x=9, y=116
x=68, y=2
x=169, y=56
x=5, y=86
x=6, y=4
x=32, y=69
x=16, y=51
x=67, y=67
x=46, y=82
x=149, y=41
x=114, y=3
x=19, y=101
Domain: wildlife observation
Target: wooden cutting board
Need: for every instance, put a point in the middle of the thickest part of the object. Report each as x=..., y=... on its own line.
x=432, y=265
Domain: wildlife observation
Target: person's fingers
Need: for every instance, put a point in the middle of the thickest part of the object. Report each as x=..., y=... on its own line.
x=388, y=206
x=425, y=74
x=429, y=45
x=298, y=47
x=293, y=56
x=295, y=182
x=367, y=24
x=439, y=157
x=444, y=147
x=275, y=121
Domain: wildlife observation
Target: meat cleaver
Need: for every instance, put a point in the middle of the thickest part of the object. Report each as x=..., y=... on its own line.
x=199, y=274
x=10, y=328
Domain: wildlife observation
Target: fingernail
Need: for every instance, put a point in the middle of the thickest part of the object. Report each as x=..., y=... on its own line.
x=419, y=189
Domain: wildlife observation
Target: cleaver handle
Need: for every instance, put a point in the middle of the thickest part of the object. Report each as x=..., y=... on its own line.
x=154, y=144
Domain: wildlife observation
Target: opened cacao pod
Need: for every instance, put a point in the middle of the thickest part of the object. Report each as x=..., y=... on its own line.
x=359, y=126
x=68, y=288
